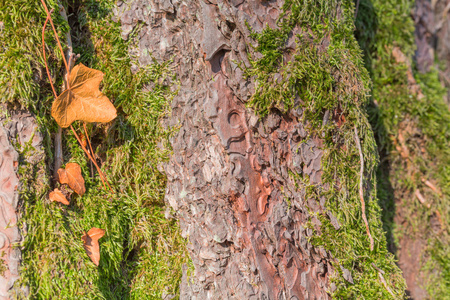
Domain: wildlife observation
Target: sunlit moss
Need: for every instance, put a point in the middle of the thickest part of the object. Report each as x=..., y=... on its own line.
x=331, y=79
x=422, y=123
x=142, y=252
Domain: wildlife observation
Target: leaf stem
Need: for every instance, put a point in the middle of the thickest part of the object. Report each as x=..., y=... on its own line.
x=56, y=36
x=43, y=52
x=102, y=175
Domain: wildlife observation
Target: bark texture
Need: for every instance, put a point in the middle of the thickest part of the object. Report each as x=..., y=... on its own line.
x=9, y=232
x=228, y=179
x=432, y=37
x=20, y=130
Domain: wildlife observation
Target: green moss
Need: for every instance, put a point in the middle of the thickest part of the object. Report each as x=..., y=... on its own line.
x=332, y=79
x=22, y=79
x=142, y=252
x=423, y=123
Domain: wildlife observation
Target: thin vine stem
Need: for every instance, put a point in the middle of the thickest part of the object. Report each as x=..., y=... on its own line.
x=87, y=138
x=43, y=52
x=102, y=175
x=92, y=156
x=57, y=38
x=49, y=18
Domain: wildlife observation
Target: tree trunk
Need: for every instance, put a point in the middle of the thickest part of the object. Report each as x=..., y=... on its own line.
x=432, y=32
x=20, y=128
x=432, y=37
x=228, y=180
x=9, y=232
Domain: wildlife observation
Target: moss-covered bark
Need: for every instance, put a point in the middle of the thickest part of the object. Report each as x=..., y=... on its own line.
x=269, y=103
x=326, y=78
x=142, y=251
x=411, y=121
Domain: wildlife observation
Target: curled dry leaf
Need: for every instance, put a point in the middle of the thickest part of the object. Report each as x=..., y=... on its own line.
x=72, y=176
x=83, y=100
x=57, y=196
x=83, y=140
x=91, y=245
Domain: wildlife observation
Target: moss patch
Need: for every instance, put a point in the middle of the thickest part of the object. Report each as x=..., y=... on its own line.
x=418, y=126
x=141, y=252
x=331, y=80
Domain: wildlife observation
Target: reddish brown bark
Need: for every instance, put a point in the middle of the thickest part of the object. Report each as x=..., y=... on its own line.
x=228, y=179
x=20, y=130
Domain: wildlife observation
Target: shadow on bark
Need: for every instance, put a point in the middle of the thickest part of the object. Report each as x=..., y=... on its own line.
x=366, y=27
x=366, y=23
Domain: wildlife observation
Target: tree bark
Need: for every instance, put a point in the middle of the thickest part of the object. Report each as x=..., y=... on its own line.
x=432, y=37
x=21, y=130
x=9, y=232
x=228, y=180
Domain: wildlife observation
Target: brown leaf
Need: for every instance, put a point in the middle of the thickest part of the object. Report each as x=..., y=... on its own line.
x=62, y=176
x=83, y=100
x=91, y=244
x=72, y=176
x=83, y=140
x=57, y=196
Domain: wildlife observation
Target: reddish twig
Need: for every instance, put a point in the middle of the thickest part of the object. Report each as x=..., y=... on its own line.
x=89, y=143
x=421, y=198
x=431, y=186
x=56, y=35
x=49, y=18
x=361, y=192
x=102, y=175
x=43, y=52
x=87, y=138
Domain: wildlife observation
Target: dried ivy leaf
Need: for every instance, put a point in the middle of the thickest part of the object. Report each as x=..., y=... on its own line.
x=57, y=196
x=83, y=100
x=91, y=244
x=72, y=176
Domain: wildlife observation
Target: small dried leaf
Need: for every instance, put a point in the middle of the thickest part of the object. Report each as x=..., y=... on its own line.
x=91, y=244
x=72, y=176
x=57, y=196
x=83, y=100
x=62, y=176
x=83, y=140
